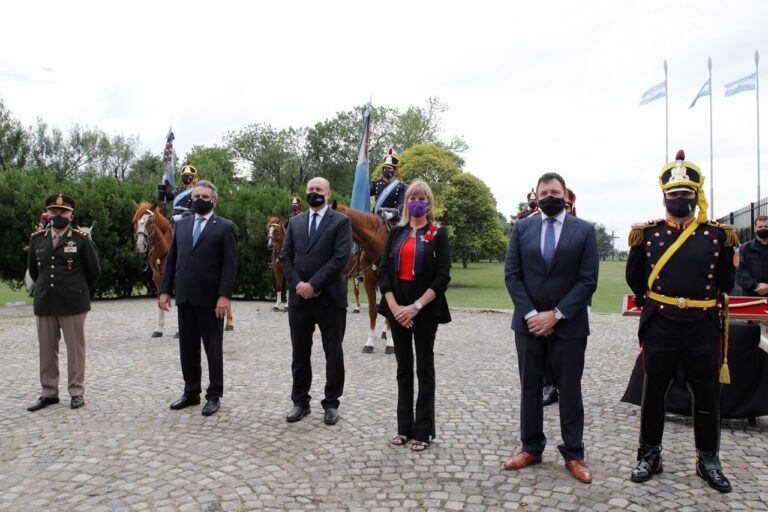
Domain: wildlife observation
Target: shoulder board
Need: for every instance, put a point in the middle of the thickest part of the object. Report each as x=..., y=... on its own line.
x=636, y=233
x=731, y=237
x=37, y=232
x=81, y=234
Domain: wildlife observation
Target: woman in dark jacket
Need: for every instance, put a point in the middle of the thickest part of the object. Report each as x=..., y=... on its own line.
x=413, y=276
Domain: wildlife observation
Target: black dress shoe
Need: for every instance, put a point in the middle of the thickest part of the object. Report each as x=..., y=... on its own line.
x=331, y=416
x=42, y=403
x=714, y=477
x=76, y=402
x=550, y=395
x=185, y=401
x=298, y=412
x=211, y=406
x=649, y=464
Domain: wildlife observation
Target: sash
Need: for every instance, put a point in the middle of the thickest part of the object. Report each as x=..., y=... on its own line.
x=384, y=194
x=671, y=251
x=179, y=199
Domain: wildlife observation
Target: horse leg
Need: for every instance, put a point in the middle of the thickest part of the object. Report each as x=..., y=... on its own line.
x=278, y=288
x=356, y=289
x=161, y=314
x=230, y=319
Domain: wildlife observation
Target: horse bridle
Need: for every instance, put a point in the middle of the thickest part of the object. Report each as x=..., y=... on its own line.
x=271, y=234
x=141, y=230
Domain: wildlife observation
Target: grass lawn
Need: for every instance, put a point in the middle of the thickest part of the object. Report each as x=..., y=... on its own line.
x=481, y=285
x=7, y=295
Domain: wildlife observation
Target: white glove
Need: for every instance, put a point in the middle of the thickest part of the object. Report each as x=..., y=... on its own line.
x=177, y=217
x=388, y=215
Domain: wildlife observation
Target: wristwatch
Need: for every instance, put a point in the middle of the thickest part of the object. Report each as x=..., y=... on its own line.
x=558, y=314
x=418, y=305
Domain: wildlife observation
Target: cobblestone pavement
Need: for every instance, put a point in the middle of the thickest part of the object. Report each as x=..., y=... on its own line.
x=125, y=450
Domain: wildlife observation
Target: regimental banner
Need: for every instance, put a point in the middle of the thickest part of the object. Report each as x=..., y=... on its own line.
x=739, y=308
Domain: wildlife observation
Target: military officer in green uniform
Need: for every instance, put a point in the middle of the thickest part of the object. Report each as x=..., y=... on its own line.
x=63, y=262
x=678, y=267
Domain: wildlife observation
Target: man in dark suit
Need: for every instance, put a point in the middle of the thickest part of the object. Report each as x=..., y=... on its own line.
x=315, y=250
x=201, y=268
x=551, y=273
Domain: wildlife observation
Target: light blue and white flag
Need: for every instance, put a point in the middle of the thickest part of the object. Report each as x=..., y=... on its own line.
x=747, y=83
x=654, y=93
x=706, y=90
x=361, y=187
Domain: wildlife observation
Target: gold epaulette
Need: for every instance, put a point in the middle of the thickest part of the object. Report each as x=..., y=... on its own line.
x=81, y=234
x=731, y=237
x=37, y=233
x=636, y=234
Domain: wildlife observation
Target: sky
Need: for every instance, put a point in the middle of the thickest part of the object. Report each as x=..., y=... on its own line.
x=532, y=87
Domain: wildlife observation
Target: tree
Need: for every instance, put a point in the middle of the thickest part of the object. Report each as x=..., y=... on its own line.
x=473, y=225
x=424, y=125
x=266, y=150
x=14, y=143
x=604, y=242
x=213, y=164
x=147, y=167
x=434, y=164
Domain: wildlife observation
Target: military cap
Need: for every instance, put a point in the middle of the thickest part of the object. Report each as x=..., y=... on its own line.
x=390, y=159
x=531, y=195
x=681, y=175
x=189, y=169
x=60, y=201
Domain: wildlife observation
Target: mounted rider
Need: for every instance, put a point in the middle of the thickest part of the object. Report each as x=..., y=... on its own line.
x=533, y=206
x=181, y=195
x=390, y=190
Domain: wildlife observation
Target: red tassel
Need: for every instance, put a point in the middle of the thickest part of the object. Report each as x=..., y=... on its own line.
x=680, y=155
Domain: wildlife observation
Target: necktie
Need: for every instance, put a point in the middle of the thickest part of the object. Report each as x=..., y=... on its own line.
x=198, y=229
x=549, y=242
x=313, y=226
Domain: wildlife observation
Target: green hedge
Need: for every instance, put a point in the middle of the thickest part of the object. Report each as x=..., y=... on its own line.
x=107, y=204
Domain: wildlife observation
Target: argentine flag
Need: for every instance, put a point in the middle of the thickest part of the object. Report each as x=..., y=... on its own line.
x=706, y=90
x=361, y=187
x=654, y=93
x=747, y=83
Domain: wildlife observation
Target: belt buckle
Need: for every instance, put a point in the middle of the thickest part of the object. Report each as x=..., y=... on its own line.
x=682, y=302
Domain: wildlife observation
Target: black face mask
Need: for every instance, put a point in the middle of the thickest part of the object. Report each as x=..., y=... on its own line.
x=202, y=206
x=186, y=179
x=531, y=204
x=388, y=173
x=314, y=199
x=551, y=206
x=762, y=233
x=58, y=222
x=680, y=207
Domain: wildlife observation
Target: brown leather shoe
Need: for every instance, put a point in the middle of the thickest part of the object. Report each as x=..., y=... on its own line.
x=579, y=470
x=522, y=460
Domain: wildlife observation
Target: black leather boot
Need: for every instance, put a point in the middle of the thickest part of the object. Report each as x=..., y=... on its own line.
x=708, y=467
x=649, y=464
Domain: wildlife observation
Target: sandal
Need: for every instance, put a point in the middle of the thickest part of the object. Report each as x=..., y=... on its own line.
x=419, y=446
x=399, y=440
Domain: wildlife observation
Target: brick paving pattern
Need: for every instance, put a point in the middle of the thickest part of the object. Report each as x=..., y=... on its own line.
x=125, y=450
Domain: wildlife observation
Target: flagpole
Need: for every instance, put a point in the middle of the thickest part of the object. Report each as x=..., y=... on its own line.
x=757, y=96
x=711, y=159
x=666, y=113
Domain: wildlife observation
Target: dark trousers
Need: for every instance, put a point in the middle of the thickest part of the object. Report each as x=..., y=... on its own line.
x=332, y=323
x=196, y=322
x=422, y=337
x=667, y=344
x=566, y=358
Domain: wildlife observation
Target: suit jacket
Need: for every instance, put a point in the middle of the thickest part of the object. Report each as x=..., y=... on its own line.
x=567, y=285
x=320, y=262
x=435, y=271
x=201, y=274
x=64, y=275
x=753, y=267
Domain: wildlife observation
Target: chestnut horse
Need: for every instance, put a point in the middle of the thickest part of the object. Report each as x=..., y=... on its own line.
x=370, y=233
x=153, y=233
x=275, y=238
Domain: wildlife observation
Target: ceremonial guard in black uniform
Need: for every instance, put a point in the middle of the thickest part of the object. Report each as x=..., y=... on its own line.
x=182, y=195
x=677, y=269
x=533, y=206
x=390, y=190
x=63, y=262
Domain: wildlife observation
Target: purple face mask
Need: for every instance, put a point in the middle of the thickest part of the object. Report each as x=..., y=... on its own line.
x=418, y=208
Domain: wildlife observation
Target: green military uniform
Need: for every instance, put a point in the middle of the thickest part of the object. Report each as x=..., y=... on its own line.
x=65, y=266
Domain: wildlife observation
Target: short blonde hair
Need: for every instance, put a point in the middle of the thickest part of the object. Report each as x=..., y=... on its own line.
x=418, y=188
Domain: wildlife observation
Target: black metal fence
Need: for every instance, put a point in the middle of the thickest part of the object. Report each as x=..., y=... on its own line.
x=744, y=219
